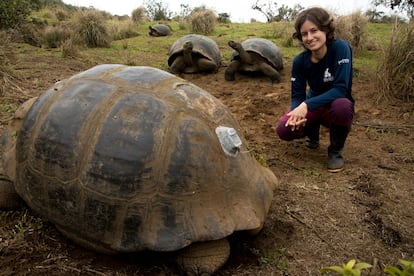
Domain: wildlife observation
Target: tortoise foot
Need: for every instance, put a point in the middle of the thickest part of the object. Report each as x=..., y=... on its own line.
x=204, y=258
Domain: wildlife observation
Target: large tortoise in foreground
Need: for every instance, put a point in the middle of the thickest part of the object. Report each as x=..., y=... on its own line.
x=255, y=55
x=124, y=159
x=194, y=53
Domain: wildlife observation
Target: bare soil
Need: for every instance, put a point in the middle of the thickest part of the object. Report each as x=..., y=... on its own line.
x=317, y=218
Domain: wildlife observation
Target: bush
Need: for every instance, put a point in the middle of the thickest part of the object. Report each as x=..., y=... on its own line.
x=13, y=12
x=8, y=76
x=352, y=28
x=30, y=33
x=138, y=15
x=203, y=21
x=68, y=48
x=61, y=15
x=157, y=10
x=223, y=18
x=91, y=29
x=53, y=36
x=396, y=72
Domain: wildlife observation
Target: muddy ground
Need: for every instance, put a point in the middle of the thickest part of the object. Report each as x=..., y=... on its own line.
x=316, y=219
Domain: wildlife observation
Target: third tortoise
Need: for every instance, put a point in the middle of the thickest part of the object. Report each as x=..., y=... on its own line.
x=255, y=55
x=159, y=30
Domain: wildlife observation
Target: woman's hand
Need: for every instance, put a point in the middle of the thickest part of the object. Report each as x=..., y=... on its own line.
x=297, y=117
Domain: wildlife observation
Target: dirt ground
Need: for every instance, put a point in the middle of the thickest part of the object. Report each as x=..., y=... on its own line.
x=316, y=219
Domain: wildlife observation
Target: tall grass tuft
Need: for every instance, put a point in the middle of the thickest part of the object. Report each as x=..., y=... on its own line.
x=352, y=28
x=396, y=72
x=53, y=36
x=92, y=30
x=9, y=90
x=203, y=21
x=138, y=15
x=69, y=48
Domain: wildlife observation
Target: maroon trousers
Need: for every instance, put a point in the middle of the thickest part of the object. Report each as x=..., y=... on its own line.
x=340, y=113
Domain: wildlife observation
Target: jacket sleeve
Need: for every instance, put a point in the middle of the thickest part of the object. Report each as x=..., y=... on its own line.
x=298, y=82
x=342, y=68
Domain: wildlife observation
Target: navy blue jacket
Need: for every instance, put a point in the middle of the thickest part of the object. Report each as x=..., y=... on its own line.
x=329, y=79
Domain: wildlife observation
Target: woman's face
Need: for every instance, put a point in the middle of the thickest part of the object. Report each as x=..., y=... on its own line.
x=312, y=38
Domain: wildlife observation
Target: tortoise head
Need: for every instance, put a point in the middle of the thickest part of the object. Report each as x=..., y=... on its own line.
x=234, y=45
x=188, y=46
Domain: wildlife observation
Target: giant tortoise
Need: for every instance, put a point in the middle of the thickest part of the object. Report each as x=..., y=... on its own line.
x=131, y=158
x=159, y=30
x=255, y=55
x=194, y=53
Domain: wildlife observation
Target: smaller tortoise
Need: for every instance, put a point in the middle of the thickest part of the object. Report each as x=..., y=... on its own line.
x=159, y=30
x=194, y=53
x=255, y=55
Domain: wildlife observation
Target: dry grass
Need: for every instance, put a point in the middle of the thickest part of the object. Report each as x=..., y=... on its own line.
x=69, y=48
x=396, y=72
x=8, y=78
x=138, y=15
x=53, y=36
x=91, y=27
x=352, y=28
x=203, y=21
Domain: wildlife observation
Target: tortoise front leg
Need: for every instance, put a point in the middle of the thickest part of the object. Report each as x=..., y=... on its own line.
x=178, y=65
x=231, y=70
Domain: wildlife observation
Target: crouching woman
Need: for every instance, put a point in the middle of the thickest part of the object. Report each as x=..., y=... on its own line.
x=321, y=87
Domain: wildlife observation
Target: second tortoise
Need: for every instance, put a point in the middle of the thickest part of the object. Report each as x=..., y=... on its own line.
x=255, y=55
x=194, y=53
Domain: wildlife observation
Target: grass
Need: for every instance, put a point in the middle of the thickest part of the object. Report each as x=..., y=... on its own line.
x=379, y=34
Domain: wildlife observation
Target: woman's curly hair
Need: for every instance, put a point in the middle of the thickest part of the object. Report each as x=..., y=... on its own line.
x=320, y=18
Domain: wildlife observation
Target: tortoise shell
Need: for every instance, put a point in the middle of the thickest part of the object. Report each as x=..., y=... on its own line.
x=159, y=30
x=202, y=46
x=127, y=158
x=265, y=48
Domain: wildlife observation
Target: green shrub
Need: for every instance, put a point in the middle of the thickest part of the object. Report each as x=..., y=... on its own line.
x=407, y=269
x=352, y=268
x=13, y=12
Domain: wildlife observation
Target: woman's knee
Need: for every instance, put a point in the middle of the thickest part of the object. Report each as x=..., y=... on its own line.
x=286, y=133
x=342, y=112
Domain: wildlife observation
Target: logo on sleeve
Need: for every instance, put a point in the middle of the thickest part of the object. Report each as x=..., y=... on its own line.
x=327, y=76
x=344, y=60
